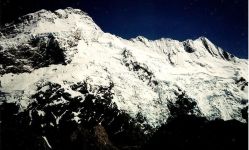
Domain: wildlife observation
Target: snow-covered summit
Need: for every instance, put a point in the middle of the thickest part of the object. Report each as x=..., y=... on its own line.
x=44, y=21
x=58, y=51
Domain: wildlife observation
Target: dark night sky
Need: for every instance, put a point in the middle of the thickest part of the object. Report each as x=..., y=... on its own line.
x=225, y=22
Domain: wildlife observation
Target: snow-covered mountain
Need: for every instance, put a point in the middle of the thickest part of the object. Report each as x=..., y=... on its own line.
x=56, y=64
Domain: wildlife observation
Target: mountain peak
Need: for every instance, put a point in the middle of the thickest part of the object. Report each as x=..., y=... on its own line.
x=60, y=13
x=66, y=54
x=45, y=21
x=204, y=45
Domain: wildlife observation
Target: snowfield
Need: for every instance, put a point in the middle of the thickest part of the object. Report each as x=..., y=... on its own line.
x=145, y=74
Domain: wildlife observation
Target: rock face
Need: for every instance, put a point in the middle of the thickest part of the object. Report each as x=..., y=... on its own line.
x=64, y=80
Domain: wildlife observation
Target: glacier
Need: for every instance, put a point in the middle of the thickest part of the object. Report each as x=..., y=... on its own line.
x=66, y=47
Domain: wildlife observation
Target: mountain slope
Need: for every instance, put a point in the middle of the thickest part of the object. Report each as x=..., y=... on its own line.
x=50, y=60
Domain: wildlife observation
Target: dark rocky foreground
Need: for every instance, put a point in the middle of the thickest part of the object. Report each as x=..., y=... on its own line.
x=183, y=130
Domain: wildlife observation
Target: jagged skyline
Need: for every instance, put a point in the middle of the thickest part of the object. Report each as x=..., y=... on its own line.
x=224, y=22
x=66, y=84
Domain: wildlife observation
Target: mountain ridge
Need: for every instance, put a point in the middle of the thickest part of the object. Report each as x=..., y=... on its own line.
x=50, y=15
x=66, y=84
x=66, y=46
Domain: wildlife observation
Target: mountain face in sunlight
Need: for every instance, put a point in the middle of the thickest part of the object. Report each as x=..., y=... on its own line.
x=64, y=80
